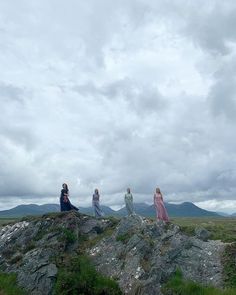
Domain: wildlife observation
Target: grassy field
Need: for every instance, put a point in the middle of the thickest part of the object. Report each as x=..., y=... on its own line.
x=4, y=221
x=223, y=229
x=178, y=286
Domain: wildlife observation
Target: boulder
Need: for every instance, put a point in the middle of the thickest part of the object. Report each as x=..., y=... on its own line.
x=202, y=234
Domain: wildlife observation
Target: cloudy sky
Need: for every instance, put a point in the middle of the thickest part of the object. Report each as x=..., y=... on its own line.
x=110, y=94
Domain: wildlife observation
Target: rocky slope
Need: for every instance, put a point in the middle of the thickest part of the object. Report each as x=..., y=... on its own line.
x=140, y=254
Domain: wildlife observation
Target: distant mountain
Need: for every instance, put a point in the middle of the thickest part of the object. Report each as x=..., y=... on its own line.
x=31, y=209
x=186, y=209
x=140, y=208
x=106, y=210
x=223, y=214
x=233, y=215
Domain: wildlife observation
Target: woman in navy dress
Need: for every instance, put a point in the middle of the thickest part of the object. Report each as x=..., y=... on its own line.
x=64, y=199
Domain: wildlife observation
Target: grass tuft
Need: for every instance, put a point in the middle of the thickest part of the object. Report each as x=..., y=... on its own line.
x=229, y=263
x=178, y=286
x=124, y=238
x=81, y=277
x=69, y=236
x=8, y=285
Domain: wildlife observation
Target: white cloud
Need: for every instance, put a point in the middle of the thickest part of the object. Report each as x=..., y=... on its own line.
x=227, y=206
x=117, y=94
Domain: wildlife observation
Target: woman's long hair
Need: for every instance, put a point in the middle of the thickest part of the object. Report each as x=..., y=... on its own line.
x=66, y=186
x=158, y=191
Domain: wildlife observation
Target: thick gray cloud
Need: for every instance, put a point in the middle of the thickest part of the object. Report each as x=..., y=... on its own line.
x=115, y=94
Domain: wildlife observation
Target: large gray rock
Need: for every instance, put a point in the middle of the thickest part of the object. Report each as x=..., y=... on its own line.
x=37, y=273
x=202, y=234
x=129, y=225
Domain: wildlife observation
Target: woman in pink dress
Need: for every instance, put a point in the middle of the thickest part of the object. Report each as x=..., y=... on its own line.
x=160, y=207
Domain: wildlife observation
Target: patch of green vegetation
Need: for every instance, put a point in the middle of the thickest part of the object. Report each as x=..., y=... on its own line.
x=223, y=229
x=124, y=238
x=8, y=285
x=68, y=236
x=77, y=275
x=189, y=230
x=229, y=263
x=178, y=286
x=80, y=277
x=5, y=221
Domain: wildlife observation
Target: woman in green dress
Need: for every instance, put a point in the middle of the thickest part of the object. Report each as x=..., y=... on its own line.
x=129, y=202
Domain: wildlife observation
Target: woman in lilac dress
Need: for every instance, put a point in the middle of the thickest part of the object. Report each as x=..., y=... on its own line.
x=96, y=205
x=160, y=207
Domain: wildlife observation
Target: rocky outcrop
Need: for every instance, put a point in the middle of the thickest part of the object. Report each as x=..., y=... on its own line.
x=139, y=253
x=142, y=255
x=32, y=248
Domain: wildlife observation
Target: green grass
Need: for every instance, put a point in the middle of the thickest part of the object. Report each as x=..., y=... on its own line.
x=68, y=235
x=124, y=238
x=229, y=263
x=223, y=229
x=5, y=221
x=178, y=286
x=8, y=285
x=79, y=276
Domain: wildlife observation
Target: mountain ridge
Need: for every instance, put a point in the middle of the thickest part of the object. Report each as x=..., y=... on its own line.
x=186, y=209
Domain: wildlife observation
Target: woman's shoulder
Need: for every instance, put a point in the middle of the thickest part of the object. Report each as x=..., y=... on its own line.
x=128, y=195
x=158, y=195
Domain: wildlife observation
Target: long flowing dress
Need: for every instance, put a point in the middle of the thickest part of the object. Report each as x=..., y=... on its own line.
x=65, y=201
x=129, y=203
x=96, y=205
x=160, y=207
